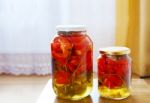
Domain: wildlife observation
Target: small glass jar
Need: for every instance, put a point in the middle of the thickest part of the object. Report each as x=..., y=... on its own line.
x=114, y=72
x=72, y=62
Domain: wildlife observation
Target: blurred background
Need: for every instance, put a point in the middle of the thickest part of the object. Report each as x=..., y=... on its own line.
x=28, y=26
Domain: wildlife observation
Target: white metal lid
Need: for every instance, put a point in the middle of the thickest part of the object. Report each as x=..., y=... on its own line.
x=115, y=50
x=70, y=28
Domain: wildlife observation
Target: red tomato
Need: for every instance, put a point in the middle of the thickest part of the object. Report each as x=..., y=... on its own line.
x=102, y=67
x=61, y=49
x=60, y=58
x=80, y=44
x=121, y=67
x=62, y=77
x=76, y=39
x=112, y=81
x=80, y=69
x=89, y=61
x=73, y=63
x=110, y=66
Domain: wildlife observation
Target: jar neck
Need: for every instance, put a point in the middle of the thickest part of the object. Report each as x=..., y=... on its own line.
x=67, y=33
x=116, y=57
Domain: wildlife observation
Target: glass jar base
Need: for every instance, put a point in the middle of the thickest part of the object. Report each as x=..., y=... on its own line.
x=116, y=94
x=115, y=98
x=76, y=96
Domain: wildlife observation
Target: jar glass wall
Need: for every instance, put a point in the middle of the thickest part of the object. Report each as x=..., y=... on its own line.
x=72, y=63
x=114, y=72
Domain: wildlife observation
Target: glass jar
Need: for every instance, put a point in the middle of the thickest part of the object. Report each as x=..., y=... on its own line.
x=114, y=72
x=72, y=62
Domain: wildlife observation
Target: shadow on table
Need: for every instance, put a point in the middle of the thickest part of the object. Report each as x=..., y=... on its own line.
x=84, y=100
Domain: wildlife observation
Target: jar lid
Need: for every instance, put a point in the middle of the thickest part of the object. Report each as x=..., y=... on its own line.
x=68, y=28
x=116, y=50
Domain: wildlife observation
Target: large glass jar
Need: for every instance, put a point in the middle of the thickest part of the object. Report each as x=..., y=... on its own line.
x=114, y=72
x=72, y=62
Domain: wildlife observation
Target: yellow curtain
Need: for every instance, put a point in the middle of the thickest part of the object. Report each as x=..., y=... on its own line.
x=133, y=31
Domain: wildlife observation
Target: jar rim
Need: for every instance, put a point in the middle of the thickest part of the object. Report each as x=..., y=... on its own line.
x=115, y=50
